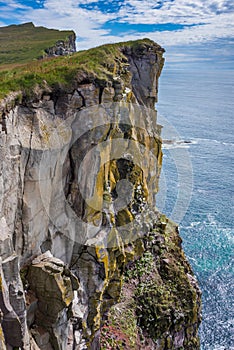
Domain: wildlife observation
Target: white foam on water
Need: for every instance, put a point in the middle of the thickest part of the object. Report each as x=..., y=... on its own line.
x=202, y=140
x=173, y=146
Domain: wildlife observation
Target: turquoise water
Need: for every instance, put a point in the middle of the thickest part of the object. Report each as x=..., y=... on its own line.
x=198, y=107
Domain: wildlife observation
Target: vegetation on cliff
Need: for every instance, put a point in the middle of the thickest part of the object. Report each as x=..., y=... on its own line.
x=100, y=64
x=24, y=43
x=160, y=300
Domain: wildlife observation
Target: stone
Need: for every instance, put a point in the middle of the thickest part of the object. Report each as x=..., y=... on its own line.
x=63, y=47
x=50, y=282
x=12, y=304
x=6, y=246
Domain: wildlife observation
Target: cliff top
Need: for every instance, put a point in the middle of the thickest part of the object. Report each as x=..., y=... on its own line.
x=97, y=64
x=25, y=42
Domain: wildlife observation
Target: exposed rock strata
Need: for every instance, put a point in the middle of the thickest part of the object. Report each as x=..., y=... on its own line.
x=78, y=213
x=62, y=47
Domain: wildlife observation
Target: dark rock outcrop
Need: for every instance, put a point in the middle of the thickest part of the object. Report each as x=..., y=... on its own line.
x=62, y=47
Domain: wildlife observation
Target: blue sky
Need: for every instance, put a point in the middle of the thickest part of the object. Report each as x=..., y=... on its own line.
x=192, y=31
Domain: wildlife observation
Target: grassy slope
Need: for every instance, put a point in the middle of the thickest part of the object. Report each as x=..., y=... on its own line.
x=98, y=62
x=25, y=42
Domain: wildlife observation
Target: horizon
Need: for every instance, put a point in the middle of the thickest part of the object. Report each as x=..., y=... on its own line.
x=195, y=34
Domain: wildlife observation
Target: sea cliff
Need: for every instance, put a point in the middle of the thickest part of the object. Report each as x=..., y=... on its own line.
x=87, y=261
x=25, y=42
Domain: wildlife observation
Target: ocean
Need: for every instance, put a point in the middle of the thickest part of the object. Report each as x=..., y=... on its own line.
x=196, y=108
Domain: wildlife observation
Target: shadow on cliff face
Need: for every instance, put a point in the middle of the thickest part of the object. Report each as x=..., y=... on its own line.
x=108, y=162
x=108, y=159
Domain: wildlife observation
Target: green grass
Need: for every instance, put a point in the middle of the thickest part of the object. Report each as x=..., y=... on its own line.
x=24, y=43
x=99, y=63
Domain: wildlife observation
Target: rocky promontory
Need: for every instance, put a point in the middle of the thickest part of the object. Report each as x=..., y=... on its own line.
x=26, y=42
x=87, y=261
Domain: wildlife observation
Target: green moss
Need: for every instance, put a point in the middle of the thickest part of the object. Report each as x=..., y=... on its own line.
x=120, y=331
x=166, y=301
x=144, y=264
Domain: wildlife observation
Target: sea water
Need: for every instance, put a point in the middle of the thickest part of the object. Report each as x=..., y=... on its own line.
x=196, y=108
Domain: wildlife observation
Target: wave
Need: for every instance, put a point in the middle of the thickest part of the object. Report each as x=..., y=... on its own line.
x=170, y=144
x=217, y=347
x=202, y=140
x=174, y=146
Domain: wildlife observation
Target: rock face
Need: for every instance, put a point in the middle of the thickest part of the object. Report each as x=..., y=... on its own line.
x=62, y=47
x=87, y=262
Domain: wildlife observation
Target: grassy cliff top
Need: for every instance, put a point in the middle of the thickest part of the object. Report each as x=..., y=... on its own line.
x=94, y=64
x=25, y=42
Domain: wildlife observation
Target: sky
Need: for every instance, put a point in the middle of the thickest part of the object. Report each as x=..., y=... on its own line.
x=191, y=31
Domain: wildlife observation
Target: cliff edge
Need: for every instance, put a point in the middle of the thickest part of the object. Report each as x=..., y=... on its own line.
x=25, y=42
x=87, y=261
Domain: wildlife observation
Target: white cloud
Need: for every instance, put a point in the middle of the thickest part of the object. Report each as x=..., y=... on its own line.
x=177, y=11
x=215, y=15
x=219, y=27
x=12, y=4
